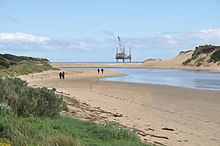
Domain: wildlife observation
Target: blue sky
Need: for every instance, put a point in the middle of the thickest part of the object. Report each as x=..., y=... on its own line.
x=87, y=30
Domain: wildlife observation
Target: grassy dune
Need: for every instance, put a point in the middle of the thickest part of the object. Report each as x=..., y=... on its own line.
x=204, y=55
x=11, y=65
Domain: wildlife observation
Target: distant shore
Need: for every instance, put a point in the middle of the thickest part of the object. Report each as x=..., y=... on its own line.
x=174, y=63
x=149, y=65
x=161, y=114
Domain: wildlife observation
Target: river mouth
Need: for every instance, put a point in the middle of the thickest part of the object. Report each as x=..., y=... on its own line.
x=179, y=78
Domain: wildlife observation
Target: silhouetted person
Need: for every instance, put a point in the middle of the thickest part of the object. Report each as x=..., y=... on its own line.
x=102, y=70
x=63, y=74
x=60, y=75
x=98, y=70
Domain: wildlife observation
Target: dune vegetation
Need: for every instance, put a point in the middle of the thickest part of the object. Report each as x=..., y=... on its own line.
x=204, y=55
x=11, y=65
x=31, y=116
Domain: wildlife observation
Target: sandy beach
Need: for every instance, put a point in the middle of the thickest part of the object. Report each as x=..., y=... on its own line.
x=151, y=64
x=161, y=114
x=174, y=63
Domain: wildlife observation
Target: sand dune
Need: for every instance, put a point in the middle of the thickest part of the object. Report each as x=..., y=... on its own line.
x=161, y=114
x=175, y=63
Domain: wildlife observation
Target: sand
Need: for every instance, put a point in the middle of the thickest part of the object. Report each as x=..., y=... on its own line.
x=175, y=63
x=161, y=114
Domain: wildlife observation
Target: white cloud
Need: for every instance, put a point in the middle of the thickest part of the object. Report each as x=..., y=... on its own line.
x=168, y=39
x=205, y=35
x=22, y=37
x=81, y=45
x=165, y=36
x=190, y=39
x=163, y=46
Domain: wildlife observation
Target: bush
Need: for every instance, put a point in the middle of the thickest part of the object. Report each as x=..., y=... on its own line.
x=199, y=61
x=215, y=56
x=204, y=49
x=4, y=64
x=187, y=61
x=26, y=101
x=5, y=110
x=40, y=102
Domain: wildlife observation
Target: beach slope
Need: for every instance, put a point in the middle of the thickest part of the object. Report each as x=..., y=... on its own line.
x=161, y=114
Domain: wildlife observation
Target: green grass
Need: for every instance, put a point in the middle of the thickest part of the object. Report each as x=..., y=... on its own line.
x=25, y=68
x=63, y=130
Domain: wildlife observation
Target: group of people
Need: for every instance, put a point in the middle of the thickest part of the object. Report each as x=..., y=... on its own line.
x=62, y=75
x=102, y=70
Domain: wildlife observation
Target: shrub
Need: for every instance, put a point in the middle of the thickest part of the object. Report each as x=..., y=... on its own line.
x=4, y=64
x=199, y=61
x=5, y=110
x=187, y=61
x=215, y=56
x=204, y=49
x=26, y=101
x=207, y=49
x=40, y=102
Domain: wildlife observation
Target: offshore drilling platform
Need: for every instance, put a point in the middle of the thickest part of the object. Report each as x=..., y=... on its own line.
x=121, y=52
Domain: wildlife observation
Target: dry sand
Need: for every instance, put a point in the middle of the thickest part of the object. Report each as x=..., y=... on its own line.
x=161, y=114
x=175, y=63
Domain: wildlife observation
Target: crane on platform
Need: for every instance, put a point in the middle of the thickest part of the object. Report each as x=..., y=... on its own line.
x=121, y=52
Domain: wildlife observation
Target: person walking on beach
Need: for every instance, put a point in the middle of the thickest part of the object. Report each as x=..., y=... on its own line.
x=98, y=70
x=102, y=70
x=63, y=74
x=60, y=75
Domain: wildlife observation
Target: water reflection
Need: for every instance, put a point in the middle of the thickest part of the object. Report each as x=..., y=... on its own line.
x=181, y=78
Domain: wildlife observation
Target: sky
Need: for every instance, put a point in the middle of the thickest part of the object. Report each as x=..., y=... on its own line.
x=87, y=30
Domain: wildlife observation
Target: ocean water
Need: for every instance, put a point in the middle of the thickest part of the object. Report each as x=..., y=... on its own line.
x=180, y=78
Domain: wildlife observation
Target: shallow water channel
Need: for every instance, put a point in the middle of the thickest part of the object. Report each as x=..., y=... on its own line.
x=181, y=78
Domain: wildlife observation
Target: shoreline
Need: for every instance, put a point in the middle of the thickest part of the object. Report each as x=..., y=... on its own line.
x=161, y=114
x=151, y=84
x=147, y=65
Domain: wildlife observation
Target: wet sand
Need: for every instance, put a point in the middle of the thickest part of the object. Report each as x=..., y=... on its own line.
x=161, y=114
